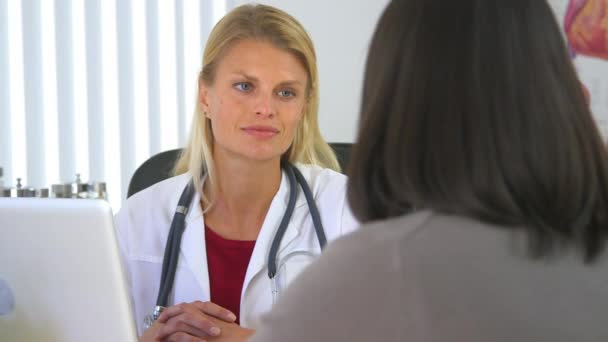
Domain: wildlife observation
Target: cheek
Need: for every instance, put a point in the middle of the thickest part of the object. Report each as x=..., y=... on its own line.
x=291, y=125
x=296, y=114
x=215, y=106
x=291, y=128
x=224, y=117
x=220, y=113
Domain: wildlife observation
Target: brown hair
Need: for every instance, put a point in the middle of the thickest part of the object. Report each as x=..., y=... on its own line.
x=473, y=107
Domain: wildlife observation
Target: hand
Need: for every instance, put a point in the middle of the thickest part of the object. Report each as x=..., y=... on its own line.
x=191, y=322
x=230, y=332
x=149, y=334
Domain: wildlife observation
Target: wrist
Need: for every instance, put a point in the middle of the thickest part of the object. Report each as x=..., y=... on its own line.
x=247, y=333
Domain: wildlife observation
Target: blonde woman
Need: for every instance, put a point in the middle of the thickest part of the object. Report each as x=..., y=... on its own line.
x=255, y=130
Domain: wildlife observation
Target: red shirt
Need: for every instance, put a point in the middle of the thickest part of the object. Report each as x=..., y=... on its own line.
x=227, y=261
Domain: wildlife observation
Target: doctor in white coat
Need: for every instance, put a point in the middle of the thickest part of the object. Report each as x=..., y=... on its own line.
x=257, y=105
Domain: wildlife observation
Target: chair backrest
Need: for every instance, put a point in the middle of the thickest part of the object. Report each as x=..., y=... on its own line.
x=160, y=166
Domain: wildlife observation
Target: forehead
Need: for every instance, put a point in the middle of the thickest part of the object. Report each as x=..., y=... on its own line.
x=260, y=58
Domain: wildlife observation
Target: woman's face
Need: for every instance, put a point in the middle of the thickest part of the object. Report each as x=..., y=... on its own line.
x=256, y=101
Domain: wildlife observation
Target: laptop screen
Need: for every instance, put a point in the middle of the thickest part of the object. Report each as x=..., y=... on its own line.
x=61, y=277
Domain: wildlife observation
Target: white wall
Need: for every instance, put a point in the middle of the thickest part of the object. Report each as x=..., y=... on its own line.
x=341, y=31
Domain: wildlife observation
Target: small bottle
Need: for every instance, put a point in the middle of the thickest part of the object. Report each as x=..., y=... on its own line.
x=24, y=191
x=18, y=191
x=79, y=189
x=42, y=193
x=97, y=190
x=61, y=191
x=2, y=183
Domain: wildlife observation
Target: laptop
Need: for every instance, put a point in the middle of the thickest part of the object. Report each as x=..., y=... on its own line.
x=61, y=277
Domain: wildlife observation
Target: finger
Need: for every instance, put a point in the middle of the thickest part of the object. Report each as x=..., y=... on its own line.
x=171, y=311
x=200, y=322
x=196, y=324
x=177, y=332
x=216, y=311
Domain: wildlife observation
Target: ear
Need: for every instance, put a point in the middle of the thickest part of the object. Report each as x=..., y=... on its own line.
x=203, y=96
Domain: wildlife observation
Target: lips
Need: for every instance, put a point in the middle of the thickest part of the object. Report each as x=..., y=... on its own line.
x=261, y=131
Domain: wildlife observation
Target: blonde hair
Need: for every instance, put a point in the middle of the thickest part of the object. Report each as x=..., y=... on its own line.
x=269, y=24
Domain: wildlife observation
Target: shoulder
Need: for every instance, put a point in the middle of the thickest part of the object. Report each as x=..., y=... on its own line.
x=320, y=178
x=328, y=188
x=160, y=195
x=359, y=275
x=377, y=239
x=148, y=213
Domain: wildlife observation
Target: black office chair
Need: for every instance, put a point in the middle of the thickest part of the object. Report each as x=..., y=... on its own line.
x=159, y=167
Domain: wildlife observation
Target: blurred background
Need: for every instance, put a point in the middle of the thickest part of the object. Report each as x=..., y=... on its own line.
x=96, y=87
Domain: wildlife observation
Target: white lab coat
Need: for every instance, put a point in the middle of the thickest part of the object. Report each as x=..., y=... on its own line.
x=143, y=226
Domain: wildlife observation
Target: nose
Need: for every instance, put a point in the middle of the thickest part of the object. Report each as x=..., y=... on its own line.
x=264, y=106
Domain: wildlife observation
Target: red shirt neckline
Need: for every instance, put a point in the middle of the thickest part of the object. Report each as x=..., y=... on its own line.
x=217, y=238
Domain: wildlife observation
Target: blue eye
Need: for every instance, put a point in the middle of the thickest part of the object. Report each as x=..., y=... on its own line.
x=243, y=86
x=286, y=93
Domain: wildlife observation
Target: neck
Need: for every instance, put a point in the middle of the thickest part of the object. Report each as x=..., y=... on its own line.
x=242, y=196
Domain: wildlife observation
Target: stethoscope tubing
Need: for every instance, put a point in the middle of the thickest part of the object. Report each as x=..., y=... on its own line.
x=172, y=246
x=173, y=242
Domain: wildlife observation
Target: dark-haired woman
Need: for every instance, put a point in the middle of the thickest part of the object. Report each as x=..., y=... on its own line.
x=483, y=181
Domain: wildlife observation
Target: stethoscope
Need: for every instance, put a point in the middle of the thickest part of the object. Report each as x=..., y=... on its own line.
x=178, y=225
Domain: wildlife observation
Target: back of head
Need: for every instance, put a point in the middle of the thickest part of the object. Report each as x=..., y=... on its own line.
x=269, y=24
x=473, y=108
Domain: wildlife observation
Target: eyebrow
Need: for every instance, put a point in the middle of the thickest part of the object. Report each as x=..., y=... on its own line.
x=255, y=79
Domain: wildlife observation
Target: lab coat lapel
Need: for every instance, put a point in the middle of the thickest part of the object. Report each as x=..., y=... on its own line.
x=259, y=257
x=193, y=249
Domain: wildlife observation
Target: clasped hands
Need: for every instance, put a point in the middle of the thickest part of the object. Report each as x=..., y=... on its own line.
x=195, y=322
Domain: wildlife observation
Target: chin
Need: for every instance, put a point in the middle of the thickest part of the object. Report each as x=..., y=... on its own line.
x=264, y=157
x=261, y=154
